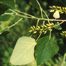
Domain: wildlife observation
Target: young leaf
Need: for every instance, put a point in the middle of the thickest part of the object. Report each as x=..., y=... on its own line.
x=46, y=48
x=56, y=14
x=58, y=26
x=23, y=52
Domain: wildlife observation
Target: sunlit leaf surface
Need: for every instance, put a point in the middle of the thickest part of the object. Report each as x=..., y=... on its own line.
x=23, y=52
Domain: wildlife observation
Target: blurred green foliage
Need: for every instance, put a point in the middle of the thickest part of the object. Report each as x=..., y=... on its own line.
x=8, y=37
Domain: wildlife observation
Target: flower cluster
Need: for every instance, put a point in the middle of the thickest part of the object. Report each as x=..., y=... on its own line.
x=57, y=11
x=59, y=8
x=42, y=28
x=63, y=33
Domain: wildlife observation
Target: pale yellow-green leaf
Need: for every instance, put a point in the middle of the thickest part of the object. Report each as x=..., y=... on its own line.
x=33, y=63
x=56, y=14
x=23, y=52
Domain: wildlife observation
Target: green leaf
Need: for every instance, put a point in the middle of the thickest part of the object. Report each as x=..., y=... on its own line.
x=5, y=21
x=9, y=3
x=57, y=26
x=6, y=16
x=23, y=52
x=45, y=49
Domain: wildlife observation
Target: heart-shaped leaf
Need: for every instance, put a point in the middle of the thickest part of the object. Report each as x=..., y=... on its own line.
x=45, y=49
x=23, y=52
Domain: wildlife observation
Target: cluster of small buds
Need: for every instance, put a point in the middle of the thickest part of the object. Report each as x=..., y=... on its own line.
x=57, y=11
x=63, y=33
x=50, y=25
x=59, y=8
x=41, y=28
x=36, y=29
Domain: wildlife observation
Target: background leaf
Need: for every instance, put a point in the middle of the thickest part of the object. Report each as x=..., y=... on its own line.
x=45, y=49
x=9, y=3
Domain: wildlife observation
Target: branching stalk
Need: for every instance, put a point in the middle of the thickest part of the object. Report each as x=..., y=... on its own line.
x=33, y=17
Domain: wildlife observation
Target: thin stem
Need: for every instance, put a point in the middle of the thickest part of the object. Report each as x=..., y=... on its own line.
x=40, y=8
x=22, y=14
x=39, y=36
x=8, y=14
x=26, y=14
x=37, y=22
x=33, y=17
x=62, y=22
x=14, y=24
x=43, y=22
x=46, y=16
x=42, y=11
x=44, y=19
